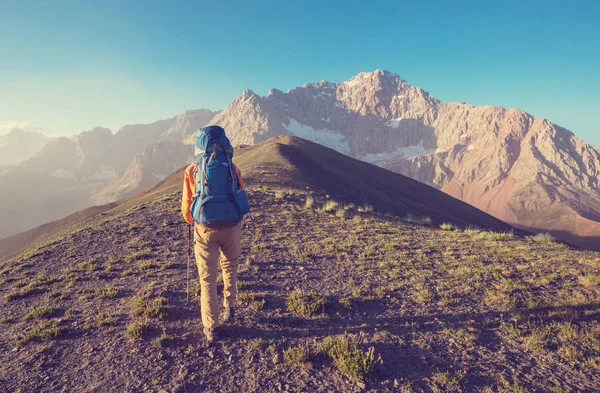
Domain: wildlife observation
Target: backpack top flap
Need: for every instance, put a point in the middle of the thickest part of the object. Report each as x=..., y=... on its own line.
x=210, y=136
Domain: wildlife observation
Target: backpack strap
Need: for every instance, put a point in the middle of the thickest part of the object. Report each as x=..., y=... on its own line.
x=203, y=175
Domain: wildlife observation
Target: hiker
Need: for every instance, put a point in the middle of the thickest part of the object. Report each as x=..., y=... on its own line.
x=215, y=201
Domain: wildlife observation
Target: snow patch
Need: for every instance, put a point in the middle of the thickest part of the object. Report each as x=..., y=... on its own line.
x=105, y=173
x=403, y=152
x=394, y=123
x=322, y=136
x=471, y=147
x=62, y=174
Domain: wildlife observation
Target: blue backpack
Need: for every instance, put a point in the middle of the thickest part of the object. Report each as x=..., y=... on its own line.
x=219, y=202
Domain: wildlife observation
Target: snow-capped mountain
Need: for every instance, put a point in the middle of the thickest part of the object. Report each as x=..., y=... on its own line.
x=524, y=170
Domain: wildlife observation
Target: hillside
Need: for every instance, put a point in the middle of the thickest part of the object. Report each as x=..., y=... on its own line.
x=295, y=163
x=101, y=306
x=524, y=170
x=103, y=309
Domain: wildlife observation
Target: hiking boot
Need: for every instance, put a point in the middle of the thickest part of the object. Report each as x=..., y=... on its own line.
x=228, y=314
x=211, y=335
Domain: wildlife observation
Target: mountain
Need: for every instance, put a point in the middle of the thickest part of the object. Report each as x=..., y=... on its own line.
x=93, y=167
x=597, y=147
x=19, y=145
x=341, y=299
x=150, y=165
x=521, y=169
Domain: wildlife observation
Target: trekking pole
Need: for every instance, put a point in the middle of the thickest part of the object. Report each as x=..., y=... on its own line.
x=188, y=261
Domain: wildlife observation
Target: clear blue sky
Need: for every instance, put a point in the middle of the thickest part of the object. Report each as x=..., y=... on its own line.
x=68, y=66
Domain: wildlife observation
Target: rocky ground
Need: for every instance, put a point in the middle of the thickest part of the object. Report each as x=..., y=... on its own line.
x=103, y=308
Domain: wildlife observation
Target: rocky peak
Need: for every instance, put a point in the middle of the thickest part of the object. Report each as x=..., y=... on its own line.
x=384, y=94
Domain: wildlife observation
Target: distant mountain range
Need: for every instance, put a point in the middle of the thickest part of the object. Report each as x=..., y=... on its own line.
x=20, y=144
x=93, y=167
x=521, y=169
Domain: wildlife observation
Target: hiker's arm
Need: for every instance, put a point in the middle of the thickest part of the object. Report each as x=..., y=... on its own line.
x=238, y=174
x=187, y=195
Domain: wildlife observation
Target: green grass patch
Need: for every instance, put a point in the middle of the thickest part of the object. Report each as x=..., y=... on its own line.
x=136, y=330
x=348, y=357
x=40, y=312
x=305, y=304
x=108, y=292
x=296, y=356
x=44, y=331
x=163, y=341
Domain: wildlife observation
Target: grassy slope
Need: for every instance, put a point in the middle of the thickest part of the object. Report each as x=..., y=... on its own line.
x=446, y=310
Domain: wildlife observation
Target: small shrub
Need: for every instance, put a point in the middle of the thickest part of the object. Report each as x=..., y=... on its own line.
x=305, y=304
x=380, y=291
x=104, y=319
x=166, y=265
x=151, y=308
x=366, y=209
x=136, y=330
x=40, y=312
x=86, y=294
x=255, y=343
x=543, y=238
x=248, y=296
x=70, y=313
x=89, y=266
x=590, y=280
x=341, y=213
x=472, y=231
x=498, y=299
x=146, y=264
x=138, y=256
x=347, y=302
x=44, y=331
x=108, y=292
x=446, y=226
x=329, y=206
x=309, y=202
x=419, y=220
x=494, y=236
x=272, y=349
x=448, y=379
x=258, y=305
x=58, y=295
x=296, y=356
x=163, y=341
x=348, y=357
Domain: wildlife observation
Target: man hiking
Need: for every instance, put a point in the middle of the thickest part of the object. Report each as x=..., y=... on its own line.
x=215, y=201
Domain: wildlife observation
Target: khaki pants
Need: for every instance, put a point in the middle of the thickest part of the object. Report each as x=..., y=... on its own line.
x=208, y=246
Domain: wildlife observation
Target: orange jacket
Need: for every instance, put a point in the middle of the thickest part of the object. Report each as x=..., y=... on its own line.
x=189, y=189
